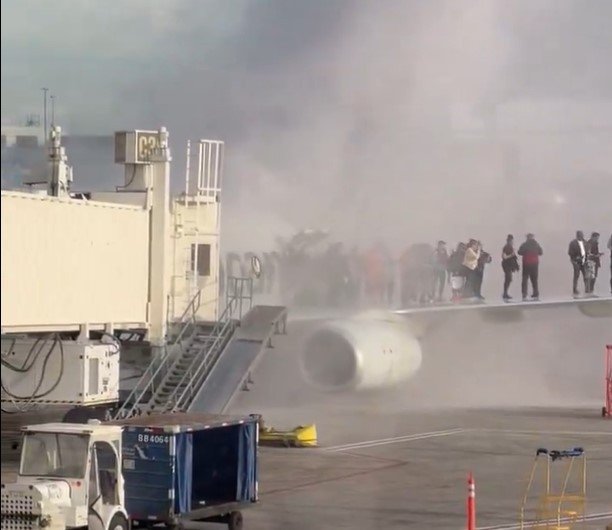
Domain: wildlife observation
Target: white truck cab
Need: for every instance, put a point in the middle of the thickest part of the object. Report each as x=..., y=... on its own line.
x=69, y=477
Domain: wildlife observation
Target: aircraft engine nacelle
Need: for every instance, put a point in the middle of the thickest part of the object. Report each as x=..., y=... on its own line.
x=360, y=354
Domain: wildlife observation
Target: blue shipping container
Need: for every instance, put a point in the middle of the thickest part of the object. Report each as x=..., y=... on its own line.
x=176, y=464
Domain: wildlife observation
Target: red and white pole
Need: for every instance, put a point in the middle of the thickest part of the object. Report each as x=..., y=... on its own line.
x=471, y=504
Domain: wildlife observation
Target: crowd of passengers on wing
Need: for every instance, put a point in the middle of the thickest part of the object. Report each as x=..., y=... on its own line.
x=422, y=274
x=464, y=267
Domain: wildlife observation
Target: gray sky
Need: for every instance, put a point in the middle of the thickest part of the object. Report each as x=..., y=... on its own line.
x=98, y=56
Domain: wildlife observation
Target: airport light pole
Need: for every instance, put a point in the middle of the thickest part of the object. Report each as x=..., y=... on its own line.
x=52, y=97
x=45, y=90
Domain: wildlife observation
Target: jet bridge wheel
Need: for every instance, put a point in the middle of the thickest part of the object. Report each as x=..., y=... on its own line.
x=234, y=521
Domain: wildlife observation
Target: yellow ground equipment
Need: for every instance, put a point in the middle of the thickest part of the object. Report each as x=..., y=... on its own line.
x=555, y=498
x=301, y=436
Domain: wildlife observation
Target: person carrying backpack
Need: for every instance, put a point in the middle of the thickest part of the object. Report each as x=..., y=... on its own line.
x=509, y=264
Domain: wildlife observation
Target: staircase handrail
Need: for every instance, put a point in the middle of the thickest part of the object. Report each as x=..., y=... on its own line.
x=205, y=366
x=220, y=331
x=194, y=304
x=147, y=380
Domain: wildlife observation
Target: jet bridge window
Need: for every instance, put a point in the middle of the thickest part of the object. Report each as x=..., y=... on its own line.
x=200, y=260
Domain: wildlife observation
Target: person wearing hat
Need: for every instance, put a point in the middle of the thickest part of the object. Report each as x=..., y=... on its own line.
x=509, y=264
x=593, y=261
x=531, y=251
x=440, y=264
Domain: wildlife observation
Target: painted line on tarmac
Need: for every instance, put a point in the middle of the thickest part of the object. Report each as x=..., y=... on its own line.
x=517, y=526
x=394, y=440
x=527, y=433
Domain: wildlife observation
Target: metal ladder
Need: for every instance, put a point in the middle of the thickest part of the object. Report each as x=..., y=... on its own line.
x=192, y=366
x=172, y=379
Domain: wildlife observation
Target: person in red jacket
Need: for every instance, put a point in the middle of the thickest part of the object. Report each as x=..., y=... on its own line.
x=531, y=251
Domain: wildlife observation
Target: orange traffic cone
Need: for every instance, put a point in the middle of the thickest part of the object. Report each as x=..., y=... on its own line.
x=471, y=504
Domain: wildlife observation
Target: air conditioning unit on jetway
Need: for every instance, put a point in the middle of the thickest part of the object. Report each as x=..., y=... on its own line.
x=52, y=371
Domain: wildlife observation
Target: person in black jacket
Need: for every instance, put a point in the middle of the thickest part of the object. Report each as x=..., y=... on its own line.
x=593, y=257
x=509, y=264
x=531, y=251
x=483, y=260
x=577, y=254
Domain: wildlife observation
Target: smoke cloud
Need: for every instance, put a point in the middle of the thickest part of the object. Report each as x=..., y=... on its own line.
x=404, y=121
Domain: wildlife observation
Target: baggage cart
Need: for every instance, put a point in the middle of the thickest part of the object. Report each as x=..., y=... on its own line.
x=189, y=467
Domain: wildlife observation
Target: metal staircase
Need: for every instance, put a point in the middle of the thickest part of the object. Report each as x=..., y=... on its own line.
x=173, y=378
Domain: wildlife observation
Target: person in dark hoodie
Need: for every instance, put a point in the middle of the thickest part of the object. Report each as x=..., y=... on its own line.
x=531, y=251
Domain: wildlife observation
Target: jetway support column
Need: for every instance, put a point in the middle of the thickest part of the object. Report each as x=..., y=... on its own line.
x=159, y=275
x=146, y=157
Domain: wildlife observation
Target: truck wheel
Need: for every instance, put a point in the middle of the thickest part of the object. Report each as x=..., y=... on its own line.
x=234, y=521
x=118, y=522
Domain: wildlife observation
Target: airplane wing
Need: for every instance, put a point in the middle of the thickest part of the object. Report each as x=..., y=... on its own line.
x=422, y=318
x=595, y=306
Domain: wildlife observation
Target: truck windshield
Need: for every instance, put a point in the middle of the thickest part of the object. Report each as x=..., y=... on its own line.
x=47, y=454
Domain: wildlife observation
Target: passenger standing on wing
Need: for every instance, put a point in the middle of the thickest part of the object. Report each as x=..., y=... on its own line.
x=390, y=276
x=408, y=281
x=610, y=249
x=375, y=281
x=456, y=271
x=483, y=260
x=509, y=264
x=593, y=261
x=470, y=262
x=531, y=251
x=577, y=254
x=440, y=264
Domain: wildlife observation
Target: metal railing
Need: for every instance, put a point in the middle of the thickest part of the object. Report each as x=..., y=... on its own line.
x=239, y=300
x=188, y=317
x=240, y=290
x=155, y=371
x=200, y=366
x=209, y=168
